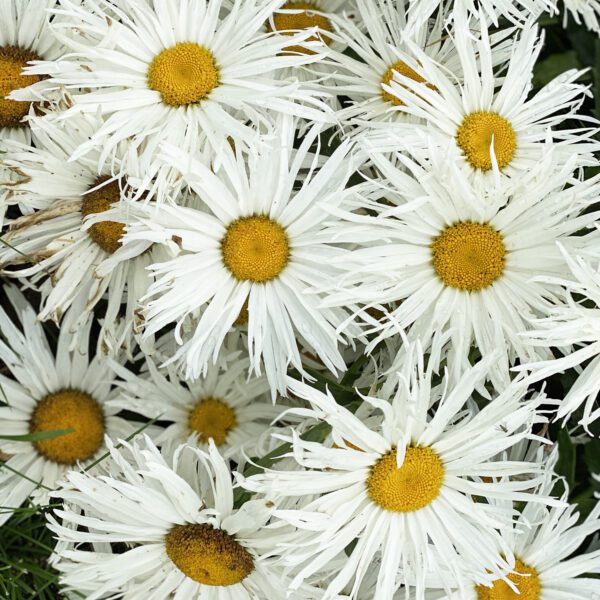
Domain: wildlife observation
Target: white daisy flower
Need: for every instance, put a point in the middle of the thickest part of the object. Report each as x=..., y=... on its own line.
x=494, y=123
x=223, y=406
x=574, y=323
x=464, y=262
x=264, y=242
x=25, y=37
x=180, y=72
x=68, y=244
x=185, y=538
x=407, y=490
x=49, y=391
x=543, y=540
x=379, y=48
x=587, y=11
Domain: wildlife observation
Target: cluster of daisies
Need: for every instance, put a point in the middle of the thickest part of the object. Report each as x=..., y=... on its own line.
x=282, y=283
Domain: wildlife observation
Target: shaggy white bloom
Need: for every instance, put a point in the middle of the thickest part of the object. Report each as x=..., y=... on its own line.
x=49, y=391
x=263, y=244
x=69, y=246
x=179, y=72
x=223, y=405
x=464, y=263
x=491, y=119
x=185, y=540
x=407, y=490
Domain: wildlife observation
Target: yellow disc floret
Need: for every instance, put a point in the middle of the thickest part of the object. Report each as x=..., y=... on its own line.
x=208, y=555
x=107, y=234
x=184, y=74
x=212, y=418
x=306, y=18
x=411, y=487
x=68, y=409
x=12, y=62
x=469, y=256
x=526, y=580
x=475, y=134
x=403, y=69
x=255, y=249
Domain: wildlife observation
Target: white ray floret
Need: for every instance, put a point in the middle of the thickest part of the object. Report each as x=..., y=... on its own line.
x=574, y=325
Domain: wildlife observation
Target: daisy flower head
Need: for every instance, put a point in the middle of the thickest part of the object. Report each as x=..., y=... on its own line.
x=69, y=246
x=462, y=263
x=543, y=540
x=179, y=72
x=223, y=405
x=185, y=538
x=263, y=244
x=49, y=390
x=492, y=121
x=407, y=489
x=25, y=39
x=380, y=47
x=574, y=324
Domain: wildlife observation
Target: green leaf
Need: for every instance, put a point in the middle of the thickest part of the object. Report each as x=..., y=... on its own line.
x=565, y=465
x=553, y=66
x=36, y=437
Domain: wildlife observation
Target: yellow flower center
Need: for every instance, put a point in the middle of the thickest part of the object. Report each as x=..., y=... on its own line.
x=475, y=135
x=290, y=23
x=12, y=62
x=212, y=418
x=107, y=234
x=526, y=580
x=207, y=555
x=411, y=487
x=255, y=249
x=469, y=256
x=404, y=69
x=184, y=74
x=68, y=409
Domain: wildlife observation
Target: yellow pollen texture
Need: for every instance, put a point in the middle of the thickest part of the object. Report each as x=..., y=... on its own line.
x=290, y=23
x=255, y=249
x=184, y=74
x=411, y=487
x=107, y=234
x=469, y=256
x=474, y=137
x=526, y=580
x=404, y=69
x=207, y=555
x=12, y=62
x=68, y=409
x=212, y=418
